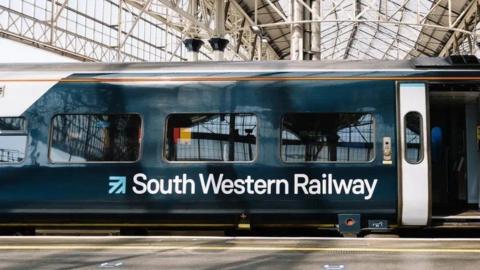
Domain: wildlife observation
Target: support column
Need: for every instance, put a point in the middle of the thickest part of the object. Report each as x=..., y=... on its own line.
x=296, y=47
x=218, y=42
x=119, y=31
x=193, y=46
x=52, y=22
x=316, y=39
x=476, y=41
x=218, y=46
x=259, y=49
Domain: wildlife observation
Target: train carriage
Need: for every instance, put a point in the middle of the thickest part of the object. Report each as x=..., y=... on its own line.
x=354, y=145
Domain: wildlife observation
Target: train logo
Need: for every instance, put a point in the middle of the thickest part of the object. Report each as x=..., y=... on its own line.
x=117, y=184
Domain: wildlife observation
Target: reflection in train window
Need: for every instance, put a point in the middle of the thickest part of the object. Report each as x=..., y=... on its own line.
x=13, y=139
x=413, y=137
x=95, y=138
x=437, y=144
x=327, y=137
x=211, y=137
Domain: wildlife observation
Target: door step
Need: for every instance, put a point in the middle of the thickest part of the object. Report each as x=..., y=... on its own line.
x=457, y=217
x=456, y=221
x=455, y=225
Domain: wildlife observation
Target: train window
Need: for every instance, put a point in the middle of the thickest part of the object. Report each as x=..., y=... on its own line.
x=413, y=138
x=80, y=138
x=211, y=137
x=327, y=137
x=13, y=139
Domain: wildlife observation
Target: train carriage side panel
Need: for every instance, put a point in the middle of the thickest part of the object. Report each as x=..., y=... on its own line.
x=68, y=189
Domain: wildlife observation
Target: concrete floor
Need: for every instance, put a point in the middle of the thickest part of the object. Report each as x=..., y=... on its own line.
x=236, y=253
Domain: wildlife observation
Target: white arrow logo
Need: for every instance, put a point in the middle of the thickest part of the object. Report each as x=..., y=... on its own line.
x=118, y=185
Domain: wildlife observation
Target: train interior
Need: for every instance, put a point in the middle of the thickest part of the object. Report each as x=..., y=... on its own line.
x=455, y=152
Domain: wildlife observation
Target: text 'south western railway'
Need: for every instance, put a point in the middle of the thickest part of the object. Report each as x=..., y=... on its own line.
x=218, y=184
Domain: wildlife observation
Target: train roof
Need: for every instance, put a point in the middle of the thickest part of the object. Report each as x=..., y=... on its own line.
x=449, y=63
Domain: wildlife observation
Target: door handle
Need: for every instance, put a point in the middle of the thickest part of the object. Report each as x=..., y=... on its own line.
x=387, y=150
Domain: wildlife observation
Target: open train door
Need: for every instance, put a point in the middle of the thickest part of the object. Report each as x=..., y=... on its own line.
x=414, y=187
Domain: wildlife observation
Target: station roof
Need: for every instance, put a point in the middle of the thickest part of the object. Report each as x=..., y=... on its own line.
x=365, y=29
x=433, y=41
x=279, y=37
x=154, y=30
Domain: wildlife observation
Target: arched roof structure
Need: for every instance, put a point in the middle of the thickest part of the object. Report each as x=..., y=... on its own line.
x=156, y=30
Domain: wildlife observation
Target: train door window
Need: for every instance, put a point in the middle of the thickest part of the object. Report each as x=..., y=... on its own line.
x=13, y=139
x=327, y=137
x=207, y=137
x=77, y=138
x=413, y=138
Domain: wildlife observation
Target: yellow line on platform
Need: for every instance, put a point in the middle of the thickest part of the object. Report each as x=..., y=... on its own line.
x=245, y=248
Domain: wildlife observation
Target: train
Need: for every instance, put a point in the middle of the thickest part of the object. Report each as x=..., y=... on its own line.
x=351, y=145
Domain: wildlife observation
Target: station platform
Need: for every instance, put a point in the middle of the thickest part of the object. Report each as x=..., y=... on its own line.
x=160, y=252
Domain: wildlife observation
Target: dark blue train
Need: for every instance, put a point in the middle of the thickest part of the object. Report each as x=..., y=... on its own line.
x=225, y=145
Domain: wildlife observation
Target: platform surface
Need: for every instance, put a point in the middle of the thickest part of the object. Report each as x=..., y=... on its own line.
x=116, y=252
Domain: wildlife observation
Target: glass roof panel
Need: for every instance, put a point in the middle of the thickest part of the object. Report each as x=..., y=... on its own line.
x=385, y=29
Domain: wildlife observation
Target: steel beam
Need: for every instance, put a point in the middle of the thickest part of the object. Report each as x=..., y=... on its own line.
x=316, y=35
x=463, y=21
x=296, y=47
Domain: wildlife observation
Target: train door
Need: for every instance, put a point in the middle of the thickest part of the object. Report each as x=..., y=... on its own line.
x=414, y=188
x=455, y=152
x=449, y=155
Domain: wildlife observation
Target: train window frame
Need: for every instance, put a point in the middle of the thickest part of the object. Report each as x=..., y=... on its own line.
x=374, y=142
x=141, y=140
x=165, y=138
x=421, y=135
x=17, y=133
